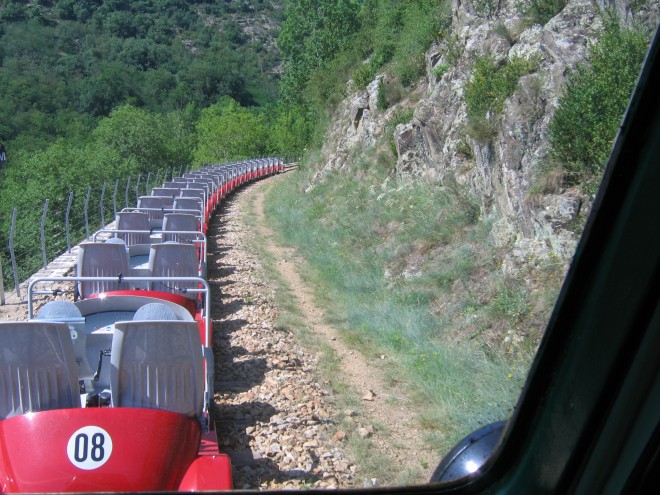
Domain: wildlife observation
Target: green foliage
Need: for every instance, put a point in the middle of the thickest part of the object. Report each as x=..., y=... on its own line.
x=491, y=84
x=145, y=138
x=313, y=32
x=400, y=32
x=440, y=69
x=363, y=75
x=540, y=11
x=505, y=32
x=381, y=97
x=486, y=8
x=400, y=116
x=511, y=302
x=586, y=122
x=92, y=57
x=464, y=149
x=289, y=133
x=226, y=131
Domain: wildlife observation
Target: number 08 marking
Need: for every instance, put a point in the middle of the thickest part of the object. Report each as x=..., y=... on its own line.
x=89, y=447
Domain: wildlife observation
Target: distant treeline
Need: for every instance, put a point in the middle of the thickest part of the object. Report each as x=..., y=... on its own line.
x=66, y=63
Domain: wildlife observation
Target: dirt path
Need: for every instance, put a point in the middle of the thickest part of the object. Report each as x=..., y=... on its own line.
x=384, y=418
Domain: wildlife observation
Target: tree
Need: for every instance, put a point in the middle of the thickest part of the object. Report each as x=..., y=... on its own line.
x=289, y=134
x=136, y=134
x=228, y=131
x=313, y=32
x=105, y=91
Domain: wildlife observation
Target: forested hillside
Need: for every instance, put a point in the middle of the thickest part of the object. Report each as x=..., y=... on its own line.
x=64, y=64
x=98, y=93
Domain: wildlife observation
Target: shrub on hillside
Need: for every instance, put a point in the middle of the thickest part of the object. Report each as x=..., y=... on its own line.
x=491, y=84
x=586, y=122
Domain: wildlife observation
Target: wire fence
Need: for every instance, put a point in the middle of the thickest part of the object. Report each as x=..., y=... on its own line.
x=31, y=239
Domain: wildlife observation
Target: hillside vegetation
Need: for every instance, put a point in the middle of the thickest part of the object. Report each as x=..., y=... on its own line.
x=64, y=64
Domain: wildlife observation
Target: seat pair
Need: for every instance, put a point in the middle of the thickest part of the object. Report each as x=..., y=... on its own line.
x=110, y=259
x=154, y=364
x=135, y=226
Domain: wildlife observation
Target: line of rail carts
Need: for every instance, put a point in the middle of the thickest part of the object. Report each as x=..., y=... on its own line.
x=108, y=385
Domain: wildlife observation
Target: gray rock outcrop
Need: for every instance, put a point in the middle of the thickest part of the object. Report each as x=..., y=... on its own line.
x=538, y=226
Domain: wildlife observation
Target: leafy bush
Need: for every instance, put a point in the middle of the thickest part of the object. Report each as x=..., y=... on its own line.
x=540, y=11
x=586, y=122
x=491, y=84
x=440, y=69
x=226, y=131
x=363, y=75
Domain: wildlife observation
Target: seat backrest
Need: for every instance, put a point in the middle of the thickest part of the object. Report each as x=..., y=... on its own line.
x=188, y=204
x=192, y=192
x=133, y=220
x=61, y=311
x=182, y=222
x=155, y=211
x=172, y=259
x=37, y=368
x=167, y=194
x=101, y=259
x=154, y=311
x=158, y=365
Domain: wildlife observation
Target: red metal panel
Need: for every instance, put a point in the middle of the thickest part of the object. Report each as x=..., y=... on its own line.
x=98, y=449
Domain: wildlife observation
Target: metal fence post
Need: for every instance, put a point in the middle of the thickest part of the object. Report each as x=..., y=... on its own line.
x=66, y=222
x=2, y=285
x=146, y=186
x=89, y=192
x=128, y=185
x=114, y=199
x=43, y=235
x=101, y=205
x=12, y=254
x=137, y=189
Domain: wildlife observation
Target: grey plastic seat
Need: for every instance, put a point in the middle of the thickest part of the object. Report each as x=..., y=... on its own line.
x=168, y=195
x=173, y=259
x=154, y=311
x=182, y=203
x=174, y=184
x=193, y=192
x=37, y=368
x=67, y=312
x=101, y=259
x=154, y=208
x=181, y=222
x=133, y=220
x=158, y=365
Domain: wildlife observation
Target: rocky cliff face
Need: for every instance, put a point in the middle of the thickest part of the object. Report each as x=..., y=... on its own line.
x=539, y=227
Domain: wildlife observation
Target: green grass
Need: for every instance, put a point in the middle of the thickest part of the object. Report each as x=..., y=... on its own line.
x=409, y=272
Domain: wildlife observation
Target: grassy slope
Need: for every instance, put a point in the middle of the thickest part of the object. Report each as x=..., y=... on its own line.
x=410, y=272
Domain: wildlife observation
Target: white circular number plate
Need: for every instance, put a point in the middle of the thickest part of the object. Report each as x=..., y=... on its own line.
x=89, y=447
